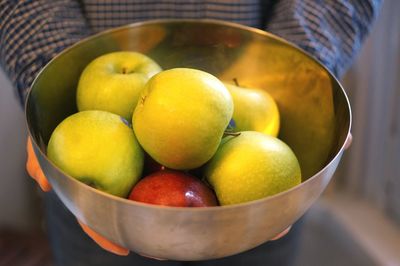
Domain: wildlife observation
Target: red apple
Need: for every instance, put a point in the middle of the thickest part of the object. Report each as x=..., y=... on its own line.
x=173, y=188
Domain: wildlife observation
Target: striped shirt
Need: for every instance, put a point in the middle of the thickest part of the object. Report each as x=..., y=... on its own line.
x=34, y=31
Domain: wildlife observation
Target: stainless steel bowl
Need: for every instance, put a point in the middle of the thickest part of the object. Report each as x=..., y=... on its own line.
x=315, y=122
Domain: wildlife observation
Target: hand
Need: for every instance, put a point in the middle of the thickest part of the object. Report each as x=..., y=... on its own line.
x=33, y=168
x=103, y=242
x=281, y=234
x=348, y=141
x=37, y=174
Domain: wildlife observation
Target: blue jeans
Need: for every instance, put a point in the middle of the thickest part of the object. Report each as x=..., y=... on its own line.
x=71, y=246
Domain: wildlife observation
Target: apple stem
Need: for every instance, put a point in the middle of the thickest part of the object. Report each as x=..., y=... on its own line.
x=230, y=133
x=236, y=82
x=142, y=99
x=124, y=70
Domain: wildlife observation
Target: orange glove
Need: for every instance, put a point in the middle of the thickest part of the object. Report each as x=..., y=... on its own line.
x=281, y=234
x=103, y=242
x=36, y=173
x=348, y=141
x=33, y=168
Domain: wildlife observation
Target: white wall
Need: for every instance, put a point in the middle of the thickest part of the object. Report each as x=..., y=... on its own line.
x=372, y=164
x=18, y=204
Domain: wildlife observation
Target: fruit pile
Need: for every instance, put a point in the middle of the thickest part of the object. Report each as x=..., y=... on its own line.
x=177, y=137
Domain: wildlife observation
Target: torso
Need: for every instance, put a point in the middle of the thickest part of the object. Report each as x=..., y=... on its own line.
x=104, y=14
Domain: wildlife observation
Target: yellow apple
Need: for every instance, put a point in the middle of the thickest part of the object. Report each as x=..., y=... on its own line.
x=251, y=166
x=255, y=110
x=99, y=149
x=113, y=82
x=181, y=117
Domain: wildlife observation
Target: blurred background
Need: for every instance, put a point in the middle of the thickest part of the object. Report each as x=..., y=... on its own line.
x=357, y=220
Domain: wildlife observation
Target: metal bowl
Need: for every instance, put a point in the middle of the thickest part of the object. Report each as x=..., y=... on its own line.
x=315, y=123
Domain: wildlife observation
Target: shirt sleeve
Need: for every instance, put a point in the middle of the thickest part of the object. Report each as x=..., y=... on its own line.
x=331, y=30
x=33, y=32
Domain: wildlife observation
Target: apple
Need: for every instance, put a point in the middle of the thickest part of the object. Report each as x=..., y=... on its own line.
x=251, y=166
x=113, y=82
x=255, y=110
x=182, y=116
x=173, y=188
x=97, y=148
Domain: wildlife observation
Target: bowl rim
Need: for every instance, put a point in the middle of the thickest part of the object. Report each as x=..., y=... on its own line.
x=186, y=209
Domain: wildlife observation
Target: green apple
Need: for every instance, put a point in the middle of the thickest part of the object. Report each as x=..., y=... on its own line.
x=113, y=82
x=255, y=110
x=181, y=117
x=251, y=166
x=98, y=148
